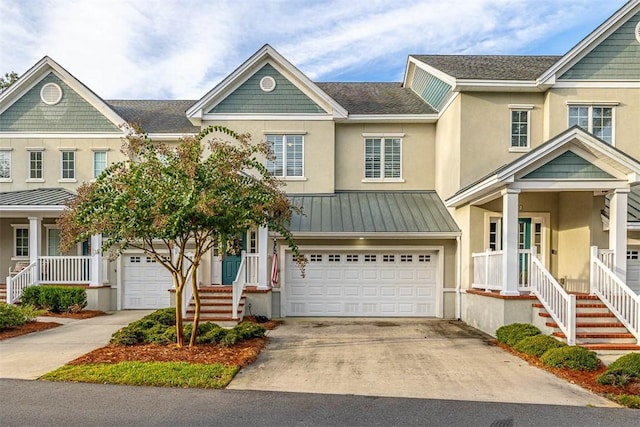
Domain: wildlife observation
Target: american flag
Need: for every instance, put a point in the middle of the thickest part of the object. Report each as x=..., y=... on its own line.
x=274, y=266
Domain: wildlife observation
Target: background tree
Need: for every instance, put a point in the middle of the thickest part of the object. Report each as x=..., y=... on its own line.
x=7, y=80
x=176, y=203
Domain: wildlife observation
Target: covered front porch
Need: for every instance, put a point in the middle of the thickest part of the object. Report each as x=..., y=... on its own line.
x=552, y=224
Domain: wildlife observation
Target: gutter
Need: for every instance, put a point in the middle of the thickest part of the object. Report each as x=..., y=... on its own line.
x=458, y=279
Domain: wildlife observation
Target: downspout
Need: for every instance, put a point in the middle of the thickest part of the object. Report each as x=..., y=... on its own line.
x=458, y=278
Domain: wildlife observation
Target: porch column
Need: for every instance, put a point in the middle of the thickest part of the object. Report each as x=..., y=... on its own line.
x=96, y=260
x=35, y=246
x=263, y=258
x=510, y=242
x=618, y=231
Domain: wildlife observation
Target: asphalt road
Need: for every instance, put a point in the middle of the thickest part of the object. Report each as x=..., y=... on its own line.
x=31, y=403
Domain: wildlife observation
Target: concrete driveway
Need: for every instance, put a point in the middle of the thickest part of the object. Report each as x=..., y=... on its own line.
x=422, y=358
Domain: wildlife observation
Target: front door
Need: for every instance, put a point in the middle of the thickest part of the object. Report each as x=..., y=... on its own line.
x=524, y=242
x=231, y=262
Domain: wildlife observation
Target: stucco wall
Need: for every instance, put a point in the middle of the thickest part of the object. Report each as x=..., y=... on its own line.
x=447, y=168
x=418, y=156
x=488, y=314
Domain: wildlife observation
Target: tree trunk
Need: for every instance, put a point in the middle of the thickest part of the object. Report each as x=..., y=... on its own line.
x=179, y=328
x=196, y=300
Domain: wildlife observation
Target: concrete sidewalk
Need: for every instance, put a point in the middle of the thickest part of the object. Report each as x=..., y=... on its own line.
x=418, y=358
x=32, y=355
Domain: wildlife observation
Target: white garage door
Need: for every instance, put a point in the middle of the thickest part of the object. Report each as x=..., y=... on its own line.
x=146, y=283
x=633, y=269
x=363, y=283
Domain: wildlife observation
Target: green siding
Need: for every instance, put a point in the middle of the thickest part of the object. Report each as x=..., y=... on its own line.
x=286, y=98
x=568, y=166
x=616, y=58
x=72, y=114
x=430, y=88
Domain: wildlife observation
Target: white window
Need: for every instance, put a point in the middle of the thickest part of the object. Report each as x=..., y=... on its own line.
x=68, y=165
x=21, y=242
x=35, y=165
x=382, y=159
x=595, y=119
x=289, y=155
x=99, y=162
x=5, y=165
x=520, y=127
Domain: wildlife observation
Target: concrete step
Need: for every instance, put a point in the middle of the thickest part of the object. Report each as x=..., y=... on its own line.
x=600, y=338
x=596, y=327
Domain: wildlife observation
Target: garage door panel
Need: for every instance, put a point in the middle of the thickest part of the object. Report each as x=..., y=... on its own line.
x=364, y=284
x=633, y=268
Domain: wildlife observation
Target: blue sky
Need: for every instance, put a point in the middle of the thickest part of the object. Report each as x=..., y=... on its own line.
x=180, y=49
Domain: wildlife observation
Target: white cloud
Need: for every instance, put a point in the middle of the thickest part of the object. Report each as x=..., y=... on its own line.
x=181, y=49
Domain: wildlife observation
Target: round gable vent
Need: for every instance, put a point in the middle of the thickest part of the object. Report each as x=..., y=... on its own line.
x=638, y=32
x=51, y=94
x=267, y=84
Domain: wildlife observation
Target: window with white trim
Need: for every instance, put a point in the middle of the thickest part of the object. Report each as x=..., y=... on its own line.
x=5, y=165
x=520, y=129
x=382, y=158
x=288, y=151
x=68, y=165
x=99, y=162
x=21, y=242
x=36, y=165
x=595, y=119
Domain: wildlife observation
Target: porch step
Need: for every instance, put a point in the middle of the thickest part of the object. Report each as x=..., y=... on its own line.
x=3, y=293
x=600, y=338
x=216, y=303
x=596, y=327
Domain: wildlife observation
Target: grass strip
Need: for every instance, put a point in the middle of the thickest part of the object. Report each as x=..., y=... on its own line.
x=160, y=374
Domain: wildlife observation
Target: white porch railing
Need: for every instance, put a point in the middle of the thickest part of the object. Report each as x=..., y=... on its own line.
x=606, y=256
x=247, y=275
x=558, y=303
x=67, y=270
x=615, y=294
x=187, y=295
x=16, y=284
x=487, y=270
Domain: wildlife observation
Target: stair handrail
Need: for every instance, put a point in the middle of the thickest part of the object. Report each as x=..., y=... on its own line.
x=560, y=305
x=623, y=302
x=238, y=286
x=188, y=290
x=17, y=283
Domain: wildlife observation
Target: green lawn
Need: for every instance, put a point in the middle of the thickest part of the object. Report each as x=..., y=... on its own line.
x=161, y=374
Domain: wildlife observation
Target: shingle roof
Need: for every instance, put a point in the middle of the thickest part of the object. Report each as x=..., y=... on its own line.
x=156, y=116
x=372, y=212
x=376, y=98
x=490, y=67
x=37, y=197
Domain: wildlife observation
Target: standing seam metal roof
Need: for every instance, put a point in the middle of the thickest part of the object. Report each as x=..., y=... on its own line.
x=37, y=197
x=372, y=212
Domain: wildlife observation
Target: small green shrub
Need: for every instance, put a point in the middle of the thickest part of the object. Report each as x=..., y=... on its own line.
x=249, y=330
x=164, y=316
x=11, y=316
x=55, y=298
x=514, y=333
x=537, y=345
x=622, y=370
x=629, y=400
x=212, y=336
x=30, y=312
x=572, y=357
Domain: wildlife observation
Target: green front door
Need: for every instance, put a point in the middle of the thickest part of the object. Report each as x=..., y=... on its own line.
x=231, y=262
x=524, y=242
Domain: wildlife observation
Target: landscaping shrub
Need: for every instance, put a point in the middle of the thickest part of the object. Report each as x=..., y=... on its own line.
x=213, y=336
x=537, y=345
x=10, y=316
x=55, y=298
x=572, y=357
x=630, y=401
x=164, y=316
x=30, y=312
x=514, y=333
x=249, y=330
x=622, y=370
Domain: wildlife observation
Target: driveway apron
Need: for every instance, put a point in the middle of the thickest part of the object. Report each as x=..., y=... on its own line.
x=421, y=358
x=32, y=355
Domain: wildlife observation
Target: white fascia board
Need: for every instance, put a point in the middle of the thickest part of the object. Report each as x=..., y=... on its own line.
x=32, y=208
x=231, y=117
x=450, y=80
x=580, y=50
x=385, y=118
x=568, y=185
x=169, y=136
x=489, y=184
x=378, y=235
x=239, y=76
x=16, y=135
x=474, y=85
x=633, y=226
x=599, y=84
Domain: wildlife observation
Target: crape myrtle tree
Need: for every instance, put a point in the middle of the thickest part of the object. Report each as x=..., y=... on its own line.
x=175, y=203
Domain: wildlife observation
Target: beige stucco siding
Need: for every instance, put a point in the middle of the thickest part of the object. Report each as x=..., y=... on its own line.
x=448, y=150
x=418, y=156
x=485, y=139
x=626, y=113
x=84, y=149
x=319, y=149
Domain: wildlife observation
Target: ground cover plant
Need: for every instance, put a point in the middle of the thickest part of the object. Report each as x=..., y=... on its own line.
x=575, y=364
x=144, y=353
x=515, y=332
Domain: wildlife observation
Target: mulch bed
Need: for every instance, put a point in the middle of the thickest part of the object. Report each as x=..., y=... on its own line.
x=585, y=379
x=84, y=314
x=27, y=328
